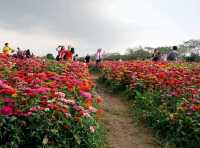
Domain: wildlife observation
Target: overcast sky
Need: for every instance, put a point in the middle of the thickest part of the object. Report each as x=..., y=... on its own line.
x=114, y=25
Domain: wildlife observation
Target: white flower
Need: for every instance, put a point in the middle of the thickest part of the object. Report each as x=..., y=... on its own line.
x=45, y=140
x=92, y=109
x=47, y=109
x=92, y=129
x=68, y=115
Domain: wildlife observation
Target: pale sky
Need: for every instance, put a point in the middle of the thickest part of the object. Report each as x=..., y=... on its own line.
x=113, y=25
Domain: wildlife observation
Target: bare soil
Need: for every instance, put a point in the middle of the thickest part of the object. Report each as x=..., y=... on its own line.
x=121, y=131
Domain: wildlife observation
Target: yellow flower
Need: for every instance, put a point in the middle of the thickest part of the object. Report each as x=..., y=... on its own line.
x=173, y=116
x=14, y=95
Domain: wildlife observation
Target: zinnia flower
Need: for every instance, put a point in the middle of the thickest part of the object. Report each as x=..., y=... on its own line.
x=60, y=94
x=86, y=95
x=8, y=91
x=7, y=110
x=92, y=129
x=8, y=100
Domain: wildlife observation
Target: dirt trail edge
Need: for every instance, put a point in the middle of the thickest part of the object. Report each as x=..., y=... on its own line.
x=120, y=128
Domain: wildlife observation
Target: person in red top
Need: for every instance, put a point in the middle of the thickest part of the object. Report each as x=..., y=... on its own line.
x=69, y=54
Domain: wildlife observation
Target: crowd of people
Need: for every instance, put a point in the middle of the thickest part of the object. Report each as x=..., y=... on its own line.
x=171, y=56
x=19, y=53
x=63, y=54
x=69, y=54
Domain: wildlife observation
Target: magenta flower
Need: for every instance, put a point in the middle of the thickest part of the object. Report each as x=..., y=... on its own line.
x=41, y=90
x=86, y=95
x=7, y=110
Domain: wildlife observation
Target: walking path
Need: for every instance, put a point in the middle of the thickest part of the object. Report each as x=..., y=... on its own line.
x=120, y=128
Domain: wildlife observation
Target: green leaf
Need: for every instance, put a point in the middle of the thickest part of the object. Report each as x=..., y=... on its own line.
x=13, y=118
x=77, y=138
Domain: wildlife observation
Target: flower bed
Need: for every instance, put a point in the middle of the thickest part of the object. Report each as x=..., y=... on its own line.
x=166, y=95
x=46, y=103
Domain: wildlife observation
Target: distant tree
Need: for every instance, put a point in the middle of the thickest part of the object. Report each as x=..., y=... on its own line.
x=192, y=43
x=164, y=50
x=190, y=46
x=50, y=56
x=112, y=56
x=141, y=55
x=130, y=51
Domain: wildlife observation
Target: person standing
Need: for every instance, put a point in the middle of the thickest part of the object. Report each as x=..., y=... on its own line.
x=156, y=55
x=87, y=59
x=61, y=53
x=28, y=53
x=20, y=53
x=7, y=50
x=173, y=55
x=99, y=56
x=69, y=53
x=75, y=58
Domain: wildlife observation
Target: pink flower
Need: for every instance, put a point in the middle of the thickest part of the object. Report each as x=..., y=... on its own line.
x=3, y=85
x=86, y=95
x=41, y=90
x=76, y=81
x=60, y=94
x=7, y=110
x=1, y=82
x=92, y=109
x=36, y=108
x=27, y=114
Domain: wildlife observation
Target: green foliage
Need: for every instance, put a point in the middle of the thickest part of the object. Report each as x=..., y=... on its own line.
x=139, y=55
x=193, y=58
x=131, y=55
x=158, y=112
x=50, y=56
x=15, y=132
x=164, y=50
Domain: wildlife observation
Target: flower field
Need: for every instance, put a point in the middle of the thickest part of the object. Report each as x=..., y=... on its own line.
x=47, y=104
x=165, y=95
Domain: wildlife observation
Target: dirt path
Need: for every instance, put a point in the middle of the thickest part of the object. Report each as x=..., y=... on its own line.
x=121, y=131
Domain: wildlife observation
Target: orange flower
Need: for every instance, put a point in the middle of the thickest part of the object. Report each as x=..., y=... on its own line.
x=88, y=103
x=77, y=119
x=99, y=113
x=84, y=87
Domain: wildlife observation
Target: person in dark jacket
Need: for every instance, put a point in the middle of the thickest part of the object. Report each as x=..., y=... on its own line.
x=28, y=53
x=87, y=59
x=173, y=55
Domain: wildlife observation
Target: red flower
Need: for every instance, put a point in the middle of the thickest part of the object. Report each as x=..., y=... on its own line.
x=18, y=112
x=8, y=91
x=8, y=100
x=99, y=100
x=70, y=87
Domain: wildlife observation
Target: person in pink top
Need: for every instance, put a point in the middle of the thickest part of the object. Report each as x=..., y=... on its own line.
x=61, y=53
x=99, y=55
